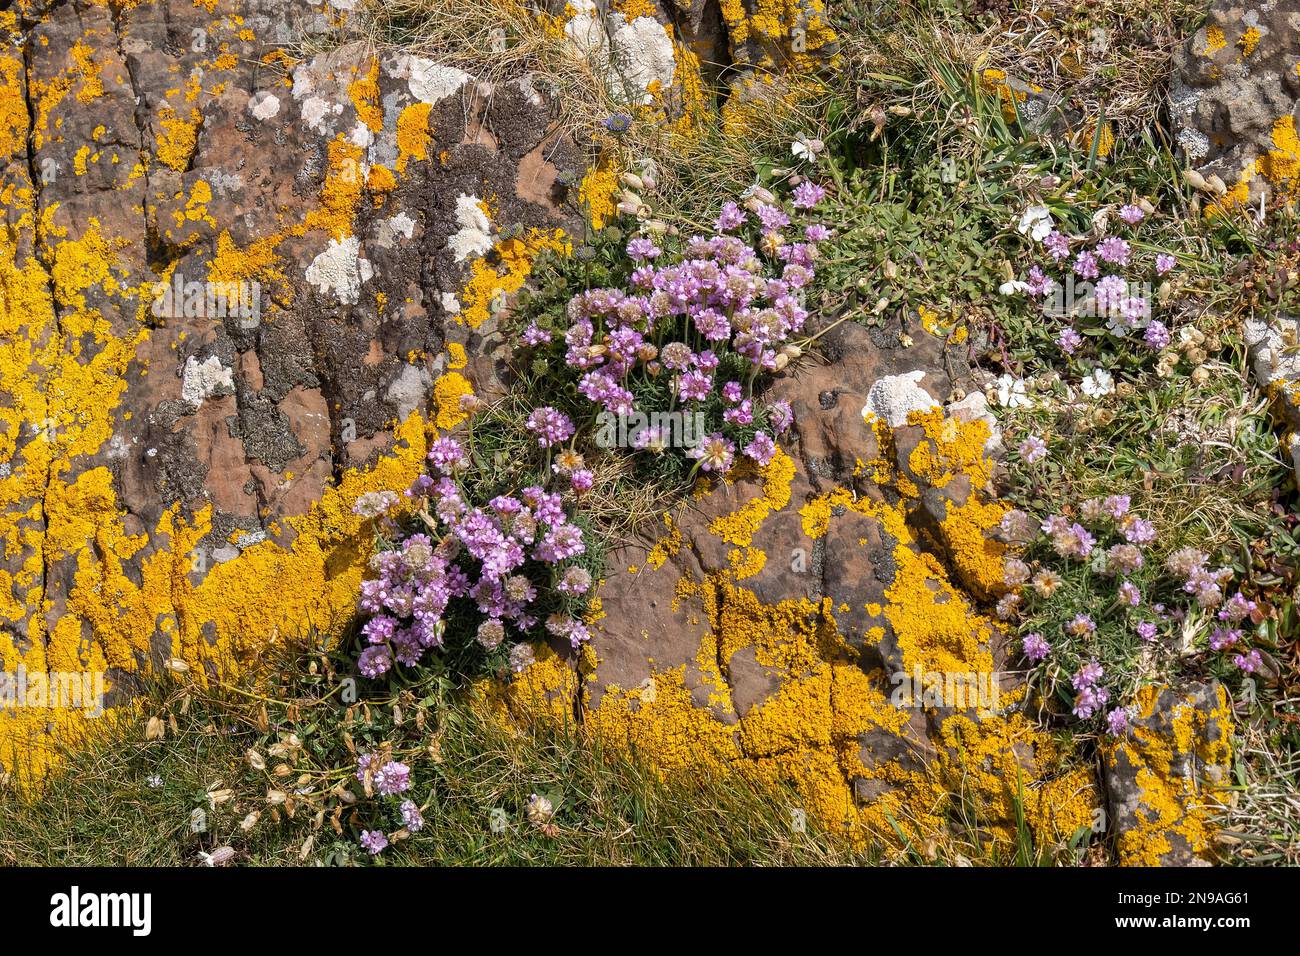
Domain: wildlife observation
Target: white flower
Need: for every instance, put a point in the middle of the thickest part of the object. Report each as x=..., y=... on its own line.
x=805, y=148
x=1013, y=287
x=1011, y=392
x=1036, y=222
x=1097, y=383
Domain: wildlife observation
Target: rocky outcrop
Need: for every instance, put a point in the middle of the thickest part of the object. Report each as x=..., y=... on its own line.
x=813, y=622
x=234, y=282
x=1234, y=98
x=1164, y=780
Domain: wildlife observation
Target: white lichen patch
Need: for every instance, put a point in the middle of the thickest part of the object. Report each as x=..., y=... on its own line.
x=200, y=380
x=263, y=105
x=429, y=82
x=450, y=304
x=474, y=238
x=584, y=33
x=408, y=390
x=340, y=270
x=389, y=231
x=643, y=56
x=319, y=113
x=894, y=397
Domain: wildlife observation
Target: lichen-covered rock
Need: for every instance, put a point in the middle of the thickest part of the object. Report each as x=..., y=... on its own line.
x=1234, y=99
x=232, y=285
x=1162, y=780
x=1274, y=350
x=812, y=623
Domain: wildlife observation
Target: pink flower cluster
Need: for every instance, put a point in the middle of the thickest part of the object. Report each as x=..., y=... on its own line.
x=683, y=318
x=1102, y=281
x=487, y=556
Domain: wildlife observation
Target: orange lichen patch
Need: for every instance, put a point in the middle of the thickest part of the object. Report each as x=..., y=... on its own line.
x=596, y=193
x=739, y=527
x=1280, y=166
x=91, y=87
x=1171, y=801
x=661, y=722
x=456, y=356
x=364, y=94
x=504, y=271
x=13, y=108
x=1248, y=40
x=447, y=393
x=176, y=143
x=792, y=31
x=1214, y=41
x=413, y=134
x=545, y=691
x=344, y=185
x=666, y=547
x=131, y=591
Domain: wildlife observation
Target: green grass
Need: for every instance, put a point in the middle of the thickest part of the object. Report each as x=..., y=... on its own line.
x=610, y=809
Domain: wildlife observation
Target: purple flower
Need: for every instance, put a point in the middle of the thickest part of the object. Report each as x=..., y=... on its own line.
x=1088, y=675
x=742, y=414
x=1129, y=594
x=1117, y=505
x=808, y=194
x=761, y=448
x=1090, y=699
x=1156, y=336
x=1138, y=531
x=1132, y=214
x=374, y=841
x=1249, y=663
x=1035, y=646
x=1085, y=266
x=715, y=454
x=1146, y=630
x=1057, y=244
x=412, y=818
x=535, y=335
x=1114, y=250
x=1165, y=263
x=731, y=217
x=446, y=454
x=816, y=233
x=1069, y=340
x=1224, y=637
x=1117, y=722
x=1237, y=608
x=1033, y=449
x=1081, y=625
x=694, y=386
x=393, y=777
x=641, y=249
x=550, y=426
x=581, y=480
x=781, y=415
x=375, y=661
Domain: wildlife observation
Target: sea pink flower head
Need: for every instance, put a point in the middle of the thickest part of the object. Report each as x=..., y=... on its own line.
x=1132, y=214
x=808, y=194
x=1035, y=646
x=1033, y=449
x=550, y=426
x=1114, y=250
